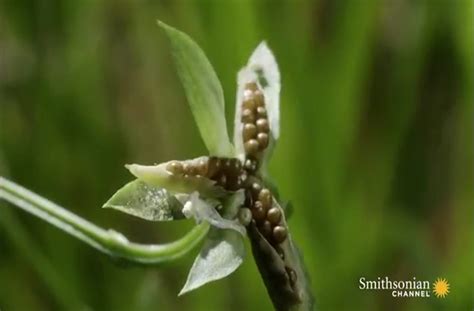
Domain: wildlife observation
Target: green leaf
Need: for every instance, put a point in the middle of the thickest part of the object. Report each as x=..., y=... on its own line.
x=142, y=200
x=222, y=253
x=203, y=91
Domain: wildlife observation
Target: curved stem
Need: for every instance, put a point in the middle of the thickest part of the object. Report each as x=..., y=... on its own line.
x=108, y=241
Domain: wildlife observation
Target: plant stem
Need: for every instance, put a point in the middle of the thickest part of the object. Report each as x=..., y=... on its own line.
x=108, y=241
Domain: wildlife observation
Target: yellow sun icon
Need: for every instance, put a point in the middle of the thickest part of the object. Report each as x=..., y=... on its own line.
x=441, y=288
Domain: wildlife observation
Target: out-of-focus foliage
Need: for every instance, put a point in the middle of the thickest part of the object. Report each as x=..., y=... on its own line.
x=375, y=151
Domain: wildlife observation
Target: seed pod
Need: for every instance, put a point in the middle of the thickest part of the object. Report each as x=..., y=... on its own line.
x=248, y=116
x=266, y=229
x=262, y=139
x=279, y=234
x=249, y=131
x=175, y=168
x=265, y=197
x=274, y=215
x=251, y=146
x=258, y=212
x=261, y=112
x=245, y=216
x=262, y=125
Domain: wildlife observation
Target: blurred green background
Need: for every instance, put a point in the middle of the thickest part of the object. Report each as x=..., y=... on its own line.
x=375, y=153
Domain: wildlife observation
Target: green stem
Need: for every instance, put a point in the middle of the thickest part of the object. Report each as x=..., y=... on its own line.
x=108, y=241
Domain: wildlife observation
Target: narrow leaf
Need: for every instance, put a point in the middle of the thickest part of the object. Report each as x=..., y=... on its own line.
x=222, y=253
x=203, y=91
x=143, y=200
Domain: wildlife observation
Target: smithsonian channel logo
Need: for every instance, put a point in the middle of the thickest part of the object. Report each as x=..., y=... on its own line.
x=407, y=288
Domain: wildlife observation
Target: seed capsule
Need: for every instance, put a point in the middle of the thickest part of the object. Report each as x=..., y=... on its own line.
x=262, y=125
x=261, y=112
x=266, y=229
x=262, y=139
x=279, y=234
x=249, y=131
x=251, y=146
x=245, y=216
x=274, y=215
x=175, y=168
x=258, y=212
x=248, y=116
x=265, y=197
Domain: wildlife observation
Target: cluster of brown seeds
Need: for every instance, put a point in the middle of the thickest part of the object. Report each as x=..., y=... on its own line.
x=255, y=128
x=227, y=172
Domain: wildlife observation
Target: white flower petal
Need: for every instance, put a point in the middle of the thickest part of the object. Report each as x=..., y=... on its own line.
x=202, y=210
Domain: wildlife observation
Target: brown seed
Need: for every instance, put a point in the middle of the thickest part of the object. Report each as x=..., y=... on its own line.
x=262, y=125
x=258, y=212
x=187, y=168
x=248, y=116
x=251, y=146
x=201, y=167
x=249, y=103
x=280, y=251
x=262, y=139
x=214, y=167
x=250, y=164
x=259, y=99
x=266, y=229
x=251, y=86
x=261, y=112
x=265, y=197
x=249, y=131
x=274, y=215
x=256, y=188
x=222, y=181
x=279, y=234
x=175, y=168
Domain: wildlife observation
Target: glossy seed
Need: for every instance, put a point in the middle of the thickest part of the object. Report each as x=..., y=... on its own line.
x=274, y=215
x=266, y=229
x=262, y=125
x=259, y=99
x=249, y=103
x=262, y=139
x=279, y=234
x=291, y=275
x=265, y=197
x=250, y=164
x=245, y=216
x=261, y=112
x=251, y=86
x=214, y=167
x=256, y=188
x=280, y=251
x=222, y=181
x=201, y=167
x=258, y=212
x=248, y=116
x=175, y=168
x=251, y=146
x=249, y=131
